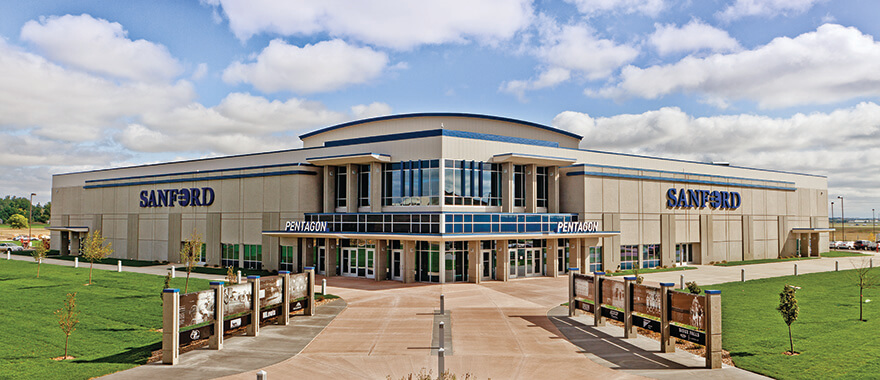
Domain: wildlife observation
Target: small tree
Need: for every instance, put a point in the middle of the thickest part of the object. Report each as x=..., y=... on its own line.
x=788, y=307
x=39, y=253
x=17, y=221
x=230, y=276
x=190, y=254
x=94, y=249
x=166, y=286
x=865, y=279
x=67, y=319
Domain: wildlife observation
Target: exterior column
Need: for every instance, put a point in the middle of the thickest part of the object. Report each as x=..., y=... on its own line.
x=330, y=248
x=553, y=189
x=475, y=262
x=574, y=255
x=502, y=260
x=64, y=249
x=667, y=343
x=713, y=329
x=351, y=186
x=409, y=261
x=814, y=244
x=216, y=340
x=667, y=240
x=329, y=189
x=442, y=247
x=74, y=244
x=307, y=251
x=376, y=187
x=506, y=187
x=380, y=260
x=531, y=188
x=805, y=244
x=552, y=262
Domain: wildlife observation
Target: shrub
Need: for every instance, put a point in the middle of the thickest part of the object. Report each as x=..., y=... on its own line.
x=693, y=287
x=17, y=221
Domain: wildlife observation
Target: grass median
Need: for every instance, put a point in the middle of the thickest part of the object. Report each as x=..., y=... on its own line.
x=831, y=340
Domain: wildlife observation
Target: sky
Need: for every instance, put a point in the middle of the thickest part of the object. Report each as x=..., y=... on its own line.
x=791, y=85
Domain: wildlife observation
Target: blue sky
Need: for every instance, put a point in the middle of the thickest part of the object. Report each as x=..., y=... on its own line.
x=780, y=84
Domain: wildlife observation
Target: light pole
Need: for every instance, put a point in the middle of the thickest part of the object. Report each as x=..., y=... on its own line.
x=873, y=225
x=832, y=221
x=842, y=217
x=30, y=217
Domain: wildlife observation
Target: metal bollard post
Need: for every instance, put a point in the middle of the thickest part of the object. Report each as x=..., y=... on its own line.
x=119, y=265
x=8, y=255
x=872, y=262
x=442, y=336
x=76, y=262
x=262, y=375
x=837, y=266
x=324, y=286
x=441, y=360
x=442, y=305
x=238, y=278
x=742, y=275
x=795, y=269
x=173, y=274
x=681, y=286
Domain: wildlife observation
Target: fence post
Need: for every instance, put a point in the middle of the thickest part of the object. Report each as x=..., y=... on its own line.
x=571, y=294
x=629, y=331
x=216, y=341
x=598, y=320
x=254, y=328
x=713, y=329
x=284, y=318
x=310, y=311
x=666, y=342
x=170, y=325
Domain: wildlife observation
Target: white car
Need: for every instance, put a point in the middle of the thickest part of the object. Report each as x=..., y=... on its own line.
x=849, y=245
x=10, y=247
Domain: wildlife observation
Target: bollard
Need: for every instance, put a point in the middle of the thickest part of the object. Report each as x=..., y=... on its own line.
x=837, y=266
x=262, y=375
x=442, y=305
x=324, y=286
x=119, y=265
x=173, y=274
x=442, y=336
x=8, y=255
x=795, y=269
x=681, y=284
x=742, y=275
x=76, y=262
x=441, y=360
x=238, y=277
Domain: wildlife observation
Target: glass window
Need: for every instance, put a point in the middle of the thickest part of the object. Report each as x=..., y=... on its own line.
x=595, y=259
x=542, y=186
x=253, y=256
x=519, y=185
x=472, y=183
x=341, y=186
x=287, y=255
x=229, y=255
x=411, y=183
x=650, y=255
x=363, y=185
x=629, y=256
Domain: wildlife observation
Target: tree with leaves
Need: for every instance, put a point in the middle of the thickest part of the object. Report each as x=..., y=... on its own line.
x=39, y=253
x=17, y=221
x=166, y=286
x=865, y=279
x=94, y=250
x=230, y=276
x=190, y=254
x=788, y=307
x=68, y=317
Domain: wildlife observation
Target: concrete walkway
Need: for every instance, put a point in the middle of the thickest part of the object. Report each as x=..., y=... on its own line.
x=159, y=270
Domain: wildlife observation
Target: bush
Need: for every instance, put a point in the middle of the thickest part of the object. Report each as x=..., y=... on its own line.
x=17, y=221
x=693, y=287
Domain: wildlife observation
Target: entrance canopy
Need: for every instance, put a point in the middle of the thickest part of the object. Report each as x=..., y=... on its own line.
x=810, y=230
x=439, y=237
x=69, y=229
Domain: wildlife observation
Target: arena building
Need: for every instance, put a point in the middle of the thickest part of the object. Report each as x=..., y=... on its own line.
x=444, y=197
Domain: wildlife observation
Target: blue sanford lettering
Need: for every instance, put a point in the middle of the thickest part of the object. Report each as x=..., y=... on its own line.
x=681, y=198
x=183, y=197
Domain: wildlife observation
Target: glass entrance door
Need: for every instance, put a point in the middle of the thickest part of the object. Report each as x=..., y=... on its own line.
x=562, y=261
x=358, y=262
x=396, y=262
x=684, y=254
x=514, y=262
x=531, y=262
x=488, y=265
x=320, y=260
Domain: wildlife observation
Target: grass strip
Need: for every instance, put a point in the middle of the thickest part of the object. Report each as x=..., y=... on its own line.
x=630, y=272
x=762, y=261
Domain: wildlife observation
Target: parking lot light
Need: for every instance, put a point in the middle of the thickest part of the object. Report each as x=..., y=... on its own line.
x=842, y=217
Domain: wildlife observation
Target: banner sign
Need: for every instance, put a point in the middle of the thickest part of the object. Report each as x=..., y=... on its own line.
x=236, y=299
x=700, y=198
x=197, y=307
x=613, y=293
x=189, y=336
x=271, y=291
x=183, y=197
x=646, y=323
x=688, y=309
x=646, y=300
x=302, y=226
x=583, y=286
x=689, y=335
x=585, y=306
x=613, y=314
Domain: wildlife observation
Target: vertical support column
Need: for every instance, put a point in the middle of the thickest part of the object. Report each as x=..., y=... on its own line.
x=571, y=305
x=629, y=331
x=216, y=340
x=553, y=189
x=329, y=189
x=713, y=329
x=574, y=255
x=64, y=249
x=351, y=199
x=74, y=244
x=552, y=262
x=814, y=244
x=502, y=261
x=409, y=261
x=667, y=240
x=475, y=262
x=254, y=328
x=748, y=239
x=284, y=318
x=271, y=245
x=506, y=187
x=170, y=326
x=376, y=187
x=531, y=188
x=310, y=309
x=212, y=237
x=307, y=251
x=805, y=244
x=611, y=245
x=442, y=248
x=598, y=319
x=330, y=248
x=131, y=246
x=666, y=342
x=380, y=260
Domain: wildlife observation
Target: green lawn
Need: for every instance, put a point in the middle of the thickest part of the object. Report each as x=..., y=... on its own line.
x=33, y=226
x=118, y=315
x=762, y=261
x=831, y=340
x=844, y=254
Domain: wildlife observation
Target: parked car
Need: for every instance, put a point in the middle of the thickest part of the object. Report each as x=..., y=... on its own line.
x=872, y=246
x=10, y=247
x=849, y=245
x=860, y=244
x=832, y=244
x=840, y=244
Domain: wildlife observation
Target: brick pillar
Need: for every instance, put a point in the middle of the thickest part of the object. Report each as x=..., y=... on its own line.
x=170, y=326
x=713, y=329
x=667, y=344
x=254, y=328
x=216, y=340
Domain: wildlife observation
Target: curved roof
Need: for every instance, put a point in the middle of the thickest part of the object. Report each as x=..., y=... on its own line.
x=434, y=114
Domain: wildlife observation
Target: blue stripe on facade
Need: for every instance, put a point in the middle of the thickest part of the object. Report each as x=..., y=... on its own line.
x=671, y=172
x=349, y=155
x=615, y=175
x=440, y=132
x=441, y=114
x=199, y=172
x=211, y=178
x=536, y=156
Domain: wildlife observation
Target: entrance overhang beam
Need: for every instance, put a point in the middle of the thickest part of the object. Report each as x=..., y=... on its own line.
x=439, y=237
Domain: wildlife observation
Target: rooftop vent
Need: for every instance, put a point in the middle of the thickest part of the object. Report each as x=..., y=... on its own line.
x=721, y=163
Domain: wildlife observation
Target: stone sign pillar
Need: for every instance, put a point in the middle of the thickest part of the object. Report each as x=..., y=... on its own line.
x=598, y=320
x=170, y=326
x=629, y=331
x=284, y=318
x=310, y=310
x=216, y=340
x=713, y=329
x=667, y=344
x=253, y=329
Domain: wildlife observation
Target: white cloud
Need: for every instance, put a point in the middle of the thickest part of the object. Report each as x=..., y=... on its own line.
x=101, y=47
x=404, y=24
x=692, y=37
x=591, y=7
x=765, y=8
x=322, y=67
x=200, y=71
x=840, y=144
x=365, y=111
x=832, y=64
x=567, y=50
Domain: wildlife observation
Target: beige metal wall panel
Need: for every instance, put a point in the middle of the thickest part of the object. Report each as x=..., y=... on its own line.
x=271, y=254
x=213, y=229
x=252, y=194
x=629, y=196
x=175, y=221
x=629, y=232
x=132, y=229
x=611, y=195
x=593, y=193
x=650, y=229
x=230, y=231
x=271, y=194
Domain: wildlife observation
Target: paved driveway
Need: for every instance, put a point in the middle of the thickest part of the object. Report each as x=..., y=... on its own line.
x=498, y=330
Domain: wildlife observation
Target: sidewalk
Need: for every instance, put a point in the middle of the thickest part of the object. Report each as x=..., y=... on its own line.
x=159, y=270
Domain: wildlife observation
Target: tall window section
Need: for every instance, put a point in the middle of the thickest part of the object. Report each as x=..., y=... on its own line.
x=650, y=255
x=629, y=256
x=519, y=186
x=472, y=183
x=684, y=253
x=341, y=186
x=541, y=172
x=411, y=183
x=229, y=255
x=286, y=258
x=253, y=256
x=595, y=259
x=363, y=185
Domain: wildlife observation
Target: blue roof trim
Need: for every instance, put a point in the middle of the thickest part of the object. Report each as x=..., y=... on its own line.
x=349, y=155
x=440, y=114
x=211, y=178
x=615, y=175
x=672, y=172
x=536, y=156
x=440, y=132
x=200, y=172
